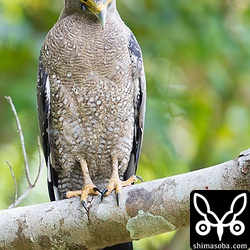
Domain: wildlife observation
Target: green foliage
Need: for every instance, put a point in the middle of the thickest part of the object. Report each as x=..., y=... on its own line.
x=197, y=58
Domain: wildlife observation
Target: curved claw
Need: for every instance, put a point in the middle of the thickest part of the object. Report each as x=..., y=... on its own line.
x=104, y=191
x=139, y=177
x=85, y=205
x=95, y=189
x=64, y=195
x=117, y=198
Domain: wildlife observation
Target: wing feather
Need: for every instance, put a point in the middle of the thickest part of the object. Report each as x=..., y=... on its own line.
x=139, y=106
x=43, y=104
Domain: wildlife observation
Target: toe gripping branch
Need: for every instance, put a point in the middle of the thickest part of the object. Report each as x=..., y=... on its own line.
x=83, y=199
x=87, y=190
x=117, y=185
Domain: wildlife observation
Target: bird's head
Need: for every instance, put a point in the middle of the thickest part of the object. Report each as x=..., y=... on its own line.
x=98, y=7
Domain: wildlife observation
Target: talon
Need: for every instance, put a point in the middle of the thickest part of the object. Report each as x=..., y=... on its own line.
x=85, y=205
x=139, y=177
x=64, y=195
x=116, y=184
x=117, y=198
x=95, y=189
x=104, y=191
x=84, y=193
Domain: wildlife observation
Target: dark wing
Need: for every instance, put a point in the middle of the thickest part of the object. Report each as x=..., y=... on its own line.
x=43, y=104
x=139, y=105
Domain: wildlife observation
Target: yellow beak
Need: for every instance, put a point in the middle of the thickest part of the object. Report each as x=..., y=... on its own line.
x=99, y=10
x=102, y=16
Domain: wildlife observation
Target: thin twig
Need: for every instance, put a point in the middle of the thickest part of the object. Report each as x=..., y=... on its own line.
x=27, y=172
x=20, y=199
x=15, y=183
x=41, y=162
x=19, y=129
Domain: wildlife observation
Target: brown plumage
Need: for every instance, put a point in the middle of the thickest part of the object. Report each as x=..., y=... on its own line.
x=91, y=101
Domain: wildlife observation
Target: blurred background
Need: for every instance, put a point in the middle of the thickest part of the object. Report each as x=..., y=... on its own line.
x=197, y=61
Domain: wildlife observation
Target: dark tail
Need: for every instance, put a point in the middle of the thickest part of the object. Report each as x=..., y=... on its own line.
x=123, y=246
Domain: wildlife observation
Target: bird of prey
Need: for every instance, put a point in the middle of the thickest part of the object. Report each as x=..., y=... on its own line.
x=91, y=102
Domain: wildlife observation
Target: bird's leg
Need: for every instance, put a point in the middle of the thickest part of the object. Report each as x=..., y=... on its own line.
x=115, y=183
x=88, y=186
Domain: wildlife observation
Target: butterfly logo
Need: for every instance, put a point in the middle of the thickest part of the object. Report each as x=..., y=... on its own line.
x=203, y=227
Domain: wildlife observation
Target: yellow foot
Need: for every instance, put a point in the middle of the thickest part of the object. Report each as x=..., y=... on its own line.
x=117, y=185
x=88, y=189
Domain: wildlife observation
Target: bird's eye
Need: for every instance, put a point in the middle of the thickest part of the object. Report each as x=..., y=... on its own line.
x=83, y=6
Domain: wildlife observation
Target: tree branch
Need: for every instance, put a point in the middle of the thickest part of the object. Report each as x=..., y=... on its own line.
x=19, y=129
x=15, y=184
x=31, y=184
x=145, y=209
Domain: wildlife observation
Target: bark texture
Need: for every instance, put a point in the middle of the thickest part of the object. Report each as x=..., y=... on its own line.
x=145, y=209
